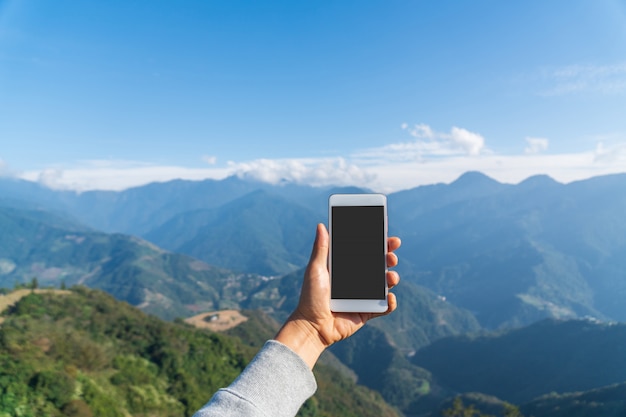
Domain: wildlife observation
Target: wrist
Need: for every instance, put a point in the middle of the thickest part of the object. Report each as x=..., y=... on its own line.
x=301, y=336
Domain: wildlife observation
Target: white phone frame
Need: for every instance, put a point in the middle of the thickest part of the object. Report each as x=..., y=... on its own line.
x=357, y=305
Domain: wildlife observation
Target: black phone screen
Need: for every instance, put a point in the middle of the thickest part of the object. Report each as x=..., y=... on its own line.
x=358, y=252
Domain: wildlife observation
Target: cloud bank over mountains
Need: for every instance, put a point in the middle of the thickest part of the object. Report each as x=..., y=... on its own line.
x=429, y=157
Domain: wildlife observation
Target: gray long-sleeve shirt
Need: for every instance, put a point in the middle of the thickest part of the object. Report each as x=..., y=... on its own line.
x=275, y=384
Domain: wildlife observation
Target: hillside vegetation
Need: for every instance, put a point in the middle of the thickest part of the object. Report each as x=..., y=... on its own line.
x=85, y=354
x=12, y=298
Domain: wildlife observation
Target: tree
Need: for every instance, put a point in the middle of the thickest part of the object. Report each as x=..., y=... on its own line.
x=511, y=411
x=458, y=409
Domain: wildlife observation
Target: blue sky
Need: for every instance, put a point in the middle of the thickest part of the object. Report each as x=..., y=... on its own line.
x=387, y=94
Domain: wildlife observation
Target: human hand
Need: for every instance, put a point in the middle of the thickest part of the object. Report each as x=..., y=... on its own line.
x=312, y=327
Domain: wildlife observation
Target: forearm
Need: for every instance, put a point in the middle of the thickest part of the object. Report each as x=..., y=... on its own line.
x=299, y=335
x=275, y=383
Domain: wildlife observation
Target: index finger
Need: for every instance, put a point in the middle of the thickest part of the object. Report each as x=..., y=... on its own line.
x=393, y=243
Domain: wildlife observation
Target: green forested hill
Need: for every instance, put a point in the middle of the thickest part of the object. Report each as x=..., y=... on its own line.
x=86, y=354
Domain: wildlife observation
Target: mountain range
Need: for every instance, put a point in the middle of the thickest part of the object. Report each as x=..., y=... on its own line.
x=477, y=256
x=511, y=254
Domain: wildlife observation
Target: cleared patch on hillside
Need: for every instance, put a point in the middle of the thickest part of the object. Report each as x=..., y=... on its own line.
x=11, y=299
x=217, y=321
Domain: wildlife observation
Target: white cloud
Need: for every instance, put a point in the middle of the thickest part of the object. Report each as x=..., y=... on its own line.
x=116, y=175
x=317, y=172
x=420, y=131
x=119, y=175
x=52, y=178
x=442, y=157
x=384, y=175
x=209, y=159
x=535, y=145
x=427, y=144
x=602, y=79
x=428, y=141
x=471, y=143
x=611, y=154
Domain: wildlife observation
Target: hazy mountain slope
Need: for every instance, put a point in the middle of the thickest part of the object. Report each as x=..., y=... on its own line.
x=35, y=244
x=20, y=191
x=408, y=204
x=590, y=228
x=141, y=209
x=87, y=354
x=519, y=365
x=258, y=232
x=537, y=249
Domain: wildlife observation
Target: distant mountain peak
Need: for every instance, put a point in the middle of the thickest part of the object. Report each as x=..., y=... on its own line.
x=472, y=178
x=348, y=190
x=541, y=180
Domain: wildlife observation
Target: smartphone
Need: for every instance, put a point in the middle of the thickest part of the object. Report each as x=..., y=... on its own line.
x=357, y=259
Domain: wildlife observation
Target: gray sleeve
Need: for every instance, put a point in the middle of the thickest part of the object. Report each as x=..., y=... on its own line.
x=275, y=384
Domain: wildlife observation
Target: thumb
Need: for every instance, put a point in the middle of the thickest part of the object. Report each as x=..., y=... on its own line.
x=319, y=255
x=316, y=283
